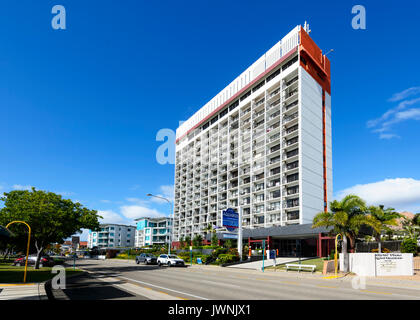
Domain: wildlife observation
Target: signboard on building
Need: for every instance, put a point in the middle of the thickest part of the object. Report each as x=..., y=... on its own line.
x=230, y=219
x=230, y=236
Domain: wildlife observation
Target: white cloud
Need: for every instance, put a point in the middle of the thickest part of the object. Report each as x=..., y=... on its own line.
x=21, y=187
x=398, y=114
x=109, y=216
x=403, y=194
x=405, y=94
x=65, y=193
x=106, y=201
x=388, y=136
x=135, y=211
x=167, y=191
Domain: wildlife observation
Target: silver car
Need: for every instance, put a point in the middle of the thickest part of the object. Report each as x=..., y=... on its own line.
x=146, y=258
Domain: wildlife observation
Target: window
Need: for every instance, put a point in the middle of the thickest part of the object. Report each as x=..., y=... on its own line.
x=293, y=177
x=293, y=215
x=233, y=105
x=205, y=126
x=292, y=190
x=275, y=74
x=246, y=95
x=258, y=86
x=275, y=148
x=291, y=62
x=223, y=113
x=292, y=165
x=293, y=203
x=275, y=171
x=292, y=153
x=275, y=194
x=214, y=120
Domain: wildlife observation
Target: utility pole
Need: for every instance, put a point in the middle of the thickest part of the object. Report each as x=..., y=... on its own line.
x=239, y=242
x=170, y=220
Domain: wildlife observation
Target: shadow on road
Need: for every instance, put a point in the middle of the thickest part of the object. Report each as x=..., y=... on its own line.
x=89, y=287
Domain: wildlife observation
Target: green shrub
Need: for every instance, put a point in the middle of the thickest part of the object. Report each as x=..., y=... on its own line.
x=226, y=258
x=233, y=251
x=204, y=257
x=210, y=247
x=409, y=245
x=218, y=252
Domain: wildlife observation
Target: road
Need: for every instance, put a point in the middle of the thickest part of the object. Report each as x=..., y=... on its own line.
x=216, y=283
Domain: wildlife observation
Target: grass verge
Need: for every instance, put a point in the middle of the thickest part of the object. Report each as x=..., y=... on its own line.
x=318, y=262
x=12, y=274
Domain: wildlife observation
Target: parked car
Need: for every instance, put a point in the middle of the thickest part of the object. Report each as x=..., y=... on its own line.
x=45, y=261
x=146, y=258
x=170, y=260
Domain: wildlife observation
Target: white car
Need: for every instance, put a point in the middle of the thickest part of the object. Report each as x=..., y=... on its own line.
x=170, y=260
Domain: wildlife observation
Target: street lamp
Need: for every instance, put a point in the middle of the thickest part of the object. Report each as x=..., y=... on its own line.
x=171, y=222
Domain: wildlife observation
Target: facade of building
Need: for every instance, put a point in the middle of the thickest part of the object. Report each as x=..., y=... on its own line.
x=112, y=236
x=262, y=145
x=151, y=231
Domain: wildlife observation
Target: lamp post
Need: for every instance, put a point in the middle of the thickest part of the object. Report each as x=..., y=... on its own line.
x=171, y=221
x=27, y=247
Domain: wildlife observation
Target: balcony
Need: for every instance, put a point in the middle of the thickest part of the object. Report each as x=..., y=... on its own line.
x=290, y=118
x=259, y=102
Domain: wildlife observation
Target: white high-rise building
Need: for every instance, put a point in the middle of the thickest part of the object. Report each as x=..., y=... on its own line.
x=112, y=236
x=263, y=144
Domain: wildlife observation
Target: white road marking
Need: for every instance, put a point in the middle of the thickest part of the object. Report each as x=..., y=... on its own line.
x=220, y=284
x=153, y=285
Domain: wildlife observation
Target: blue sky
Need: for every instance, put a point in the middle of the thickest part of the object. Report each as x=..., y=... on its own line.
x=80, y=108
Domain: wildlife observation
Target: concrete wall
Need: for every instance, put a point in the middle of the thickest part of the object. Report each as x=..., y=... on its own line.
x=380, y=264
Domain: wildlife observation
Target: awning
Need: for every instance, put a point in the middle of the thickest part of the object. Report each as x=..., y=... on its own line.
x=290, y=231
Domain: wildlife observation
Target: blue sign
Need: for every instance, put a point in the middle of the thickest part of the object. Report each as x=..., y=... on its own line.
x=230, y=236
x=230, y=219
x=272, y=254
x=199, y=261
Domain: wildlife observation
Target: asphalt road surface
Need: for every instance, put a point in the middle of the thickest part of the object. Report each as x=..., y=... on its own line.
x=216, y=283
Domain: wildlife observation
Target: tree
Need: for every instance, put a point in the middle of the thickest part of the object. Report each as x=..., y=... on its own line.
x=181, y=242
x=410, y=227
x=50, y=217
x=228, y=243
x=198, y=241
x=208, y=229
x=383, y=219
x=346, y=217
x=409, y=245
x=416, y=219
x=187, y=241
x=214, y=240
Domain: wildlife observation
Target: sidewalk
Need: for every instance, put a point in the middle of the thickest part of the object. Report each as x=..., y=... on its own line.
x=30, y=291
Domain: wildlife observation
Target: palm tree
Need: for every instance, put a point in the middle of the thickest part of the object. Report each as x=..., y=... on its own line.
x=383, y=219
x=346, y=217
x=411, y=227
x=208, y=229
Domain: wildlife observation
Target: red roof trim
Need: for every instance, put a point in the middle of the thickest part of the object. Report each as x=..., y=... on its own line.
x=276, y=64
